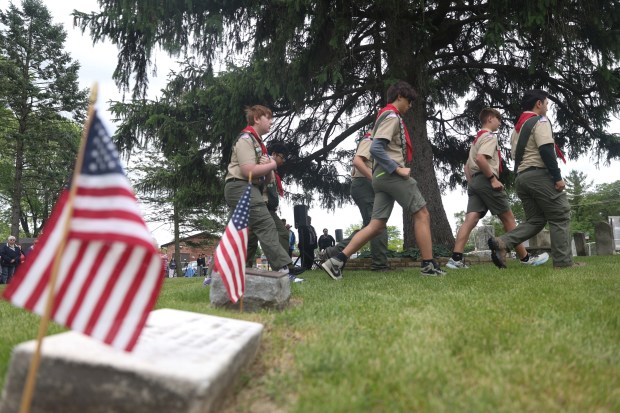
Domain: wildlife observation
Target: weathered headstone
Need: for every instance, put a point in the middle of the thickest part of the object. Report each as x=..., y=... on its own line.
x=184, y=362
x=604, y=238
x=580, y=243
x=542, y=240
x=263, y=289
x=483, y=233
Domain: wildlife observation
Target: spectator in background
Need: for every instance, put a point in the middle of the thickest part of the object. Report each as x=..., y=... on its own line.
x=326, y=240
x=201, y=263
x=10, y=254
x=164, y=262
x=172, y=266
x=291, y=240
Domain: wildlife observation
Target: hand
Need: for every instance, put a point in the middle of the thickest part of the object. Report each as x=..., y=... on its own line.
x=560, y=185
x=496, y=184
x=265, y=159
x=404, y=172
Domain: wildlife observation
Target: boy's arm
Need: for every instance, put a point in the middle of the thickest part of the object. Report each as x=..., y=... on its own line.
x=360, y=163
x=467, y=171
x=485, y=168
x=377, y=150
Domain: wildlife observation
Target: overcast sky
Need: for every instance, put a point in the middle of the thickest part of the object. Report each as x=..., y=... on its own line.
x=99, y=61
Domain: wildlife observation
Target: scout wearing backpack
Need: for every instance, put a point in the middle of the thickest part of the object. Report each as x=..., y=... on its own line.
x=391, y=181
x=539, y=184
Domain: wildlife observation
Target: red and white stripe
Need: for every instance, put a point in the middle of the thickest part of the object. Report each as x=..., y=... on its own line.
x=110, y=270
x=230, y=257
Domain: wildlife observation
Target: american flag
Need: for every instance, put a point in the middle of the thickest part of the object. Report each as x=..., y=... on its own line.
x=110, y=271
x=231, y=253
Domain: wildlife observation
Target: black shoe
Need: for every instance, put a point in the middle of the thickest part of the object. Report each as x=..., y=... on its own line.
x=295, y=270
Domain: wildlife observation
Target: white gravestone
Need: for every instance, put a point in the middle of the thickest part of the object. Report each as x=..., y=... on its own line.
x=184, y=362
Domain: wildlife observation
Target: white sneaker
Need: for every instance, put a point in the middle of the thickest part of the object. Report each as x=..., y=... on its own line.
x=333, y=268
x=456, y=265
x=536, y=260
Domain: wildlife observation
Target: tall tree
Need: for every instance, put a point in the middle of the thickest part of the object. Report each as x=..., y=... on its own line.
x=40, y=82
x=324, y=66
x=577, y=188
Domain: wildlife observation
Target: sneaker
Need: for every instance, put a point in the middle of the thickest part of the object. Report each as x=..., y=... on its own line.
x=432, y=270
x=498, y=252
x=536, y=260
x=206, y=282
x=333, y=268
x=327, y=253
x=295, y=271
x=295, y=279
x=456, y=265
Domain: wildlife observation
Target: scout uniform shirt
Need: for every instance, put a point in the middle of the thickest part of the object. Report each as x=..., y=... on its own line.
x=246, y=151
x=541, y=135
x=363, y=150
x=485, y=144
x=390, y=130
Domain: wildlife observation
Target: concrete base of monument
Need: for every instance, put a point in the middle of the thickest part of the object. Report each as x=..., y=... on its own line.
x=263, y=289
x=183, y=362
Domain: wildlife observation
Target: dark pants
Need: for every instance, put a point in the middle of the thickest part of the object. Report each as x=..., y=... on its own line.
x=7, y=274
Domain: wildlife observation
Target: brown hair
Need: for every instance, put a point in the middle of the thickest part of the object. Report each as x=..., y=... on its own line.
x=402, y=89
x=256, y=111
x=486, y=112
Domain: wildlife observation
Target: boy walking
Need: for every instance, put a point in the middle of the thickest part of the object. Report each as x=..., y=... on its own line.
x=485, y=192
x=390, y=149
x=539, y=184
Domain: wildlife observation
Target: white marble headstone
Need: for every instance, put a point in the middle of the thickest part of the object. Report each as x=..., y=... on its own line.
x=183, y=362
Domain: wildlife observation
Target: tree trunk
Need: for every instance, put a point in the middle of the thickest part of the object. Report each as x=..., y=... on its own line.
x=17, y=187
x=177, y=244
x=423, y=171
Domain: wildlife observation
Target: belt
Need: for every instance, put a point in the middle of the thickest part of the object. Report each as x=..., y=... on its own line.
x=531, y=168
x=480, y=173
x=240, y=180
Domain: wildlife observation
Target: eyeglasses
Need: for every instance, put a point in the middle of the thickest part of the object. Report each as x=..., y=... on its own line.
x=282, y=156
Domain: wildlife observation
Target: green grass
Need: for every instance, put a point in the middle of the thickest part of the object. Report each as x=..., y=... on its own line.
x=481, y=340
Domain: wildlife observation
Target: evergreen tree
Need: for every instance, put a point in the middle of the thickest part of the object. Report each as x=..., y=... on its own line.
x=577, y=188
x=39, y=83
x=324, y=66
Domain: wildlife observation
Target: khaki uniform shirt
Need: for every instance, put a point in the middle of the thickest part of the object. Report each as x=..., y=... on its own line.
x=541, y=135
x=486, y=145
x=245, y=152
x=389, y=129
x=363, y=150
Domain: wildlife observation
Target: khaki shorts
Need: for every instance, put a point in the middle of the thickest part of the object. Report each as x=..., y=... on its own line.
x=483, y=198
x=391, y=187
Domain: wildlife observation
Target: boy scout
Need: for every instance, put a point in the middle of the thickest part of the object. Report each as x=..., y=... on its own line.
x=271, y=195
x=249, y=155
x=390, y=149
x=539, y=184
x=364, y=197
x=485, y=192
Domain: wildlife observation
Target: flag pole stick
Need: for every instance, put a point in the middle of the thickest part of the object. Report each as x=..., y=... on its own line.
x=241, y=298
x=36, y=357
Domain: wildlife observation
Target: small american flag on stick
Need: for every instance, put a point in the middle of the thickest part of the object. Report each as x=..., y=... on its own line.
x=232, y=251
x=109, y=273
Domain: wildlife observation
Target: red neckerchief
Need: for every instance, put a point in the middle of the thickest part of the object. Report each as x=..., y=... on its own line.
x=499, y=154
x=523, y=118
x=251, y=131
x=393, y=108
x=279, y=184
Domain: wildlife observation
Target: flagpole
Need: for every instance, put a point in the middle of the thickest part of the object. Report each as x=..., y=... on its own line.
x=241, y=298
x=43, y=326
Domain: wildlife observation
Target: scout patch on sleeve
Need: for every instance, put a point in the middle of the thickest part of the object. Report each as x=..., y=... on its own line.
x=391, y=115
x=543, y=119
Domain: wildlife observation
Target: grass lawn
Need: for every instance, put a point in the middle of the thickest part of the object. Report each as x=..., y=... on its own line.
x=478, y=340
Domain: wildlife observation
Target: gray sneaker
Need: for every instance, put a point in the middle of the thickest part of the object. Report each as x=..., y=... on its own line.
x=432, y=270
x=536, y=260
x=333, y=268
x=498, y=252
x=327, y=253
x=456, y=265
